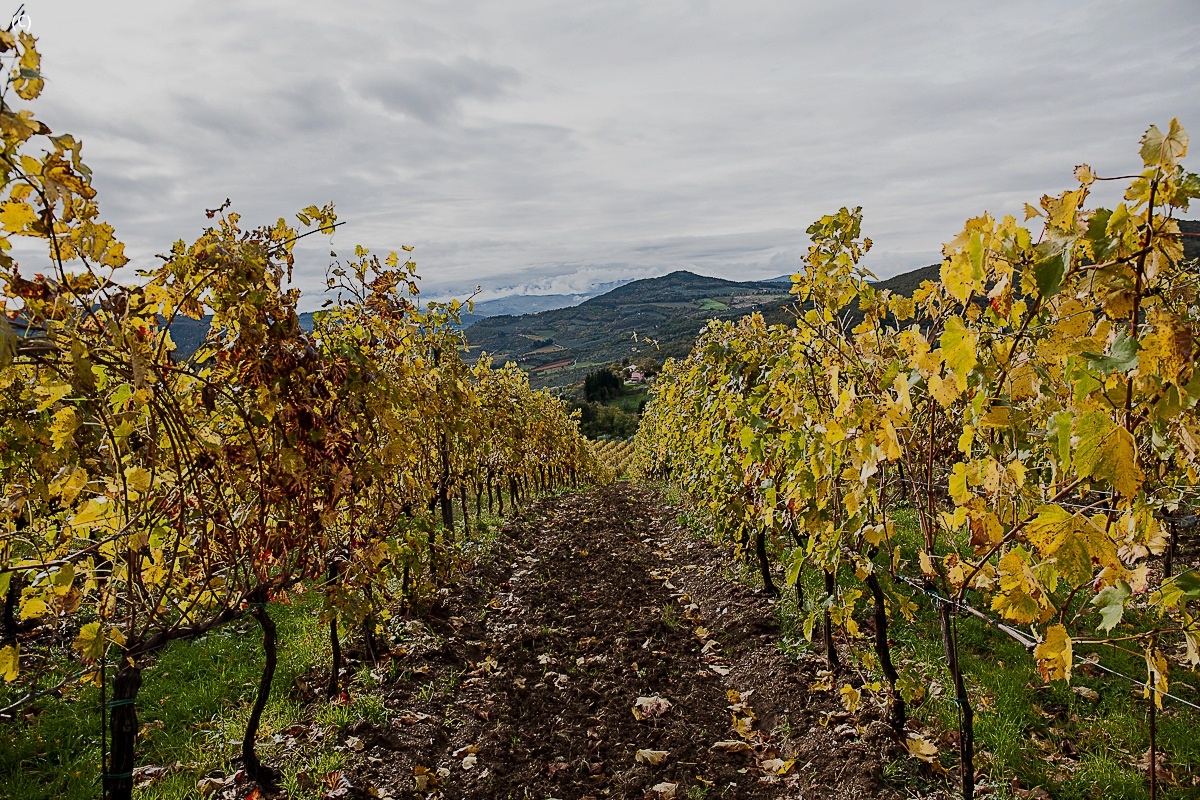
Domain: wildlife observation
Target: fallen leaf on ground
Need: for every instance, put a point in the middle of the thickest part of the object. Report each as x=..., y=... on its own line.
x=647, y=707
x=664, y=791
x=731, y=747
x=651, y=757
x=743, y=726
x=206, y=786
x=823, y=683
x=423, y=779
x=1161, y=769
x=772, y=765
x=921, y=748
x=737, y=700
x=152, y=725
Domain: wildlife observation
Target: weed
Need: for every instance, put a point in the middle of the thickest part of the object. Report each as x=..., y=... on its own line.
x=427, y=692
x=450, y=680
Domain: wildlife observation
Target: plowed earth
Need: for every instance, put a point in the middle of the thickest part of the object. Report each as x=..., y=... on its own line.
x=523, y=682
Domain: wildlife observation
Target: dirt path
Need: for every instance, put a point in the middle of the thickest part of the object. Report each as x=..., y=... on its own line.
x=524, y=685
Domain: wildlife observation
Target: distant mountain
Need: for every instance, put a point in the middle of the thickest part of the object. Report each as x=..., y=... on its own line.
x=560, y=346
x=1191, y=240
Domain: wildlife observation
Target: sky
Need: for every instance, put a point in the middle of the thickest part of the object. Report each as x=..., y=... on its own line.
x=531, y=146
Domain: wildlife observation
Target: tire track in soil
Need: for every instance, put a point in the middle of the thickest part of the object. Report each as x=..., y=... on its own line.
x=523, y=682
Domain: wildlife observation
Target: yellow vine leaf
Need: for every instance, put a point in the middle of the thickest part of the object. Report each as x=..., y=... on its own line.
x=9, y=660
x=69, y=483
x=966, y=439
x=1167, y=350
x=137, y=479
x=1048, y=529
x=1061, y=211
x=1156, y=676
x=944, y=391
x=959, y=350
x=27, y=79
x=16, y=216
x=51, y=393
x=33, y=607
x=891, y=442
x=1021, y=597
x=958, y=484
x=91, y=513
x=58, y=176
x=89, y=642
x=1107, y=451
x=63, y=427
x=1054, y=655
x=851, y=697
x=1164, y=151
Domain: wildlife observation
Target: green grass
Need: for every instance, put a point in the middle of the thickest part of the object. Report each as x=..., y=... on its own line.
x=630, y=399
x=193, y=706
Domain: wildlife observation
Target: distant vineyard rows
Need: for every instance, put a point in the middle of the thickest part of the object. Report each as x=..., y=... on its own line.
x=615, y=454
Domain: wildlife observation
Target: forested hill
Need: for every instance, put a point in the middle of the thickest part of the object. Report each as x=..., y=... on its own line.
x=559, y=347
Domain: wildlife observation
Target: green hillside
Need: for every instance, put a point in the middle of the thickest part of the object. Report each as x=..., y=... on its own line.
x=559, y=347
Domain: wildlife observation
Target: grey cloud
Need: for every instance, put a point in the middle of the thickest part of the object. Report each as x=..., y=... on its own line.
x=433, y=91
x=528, y=145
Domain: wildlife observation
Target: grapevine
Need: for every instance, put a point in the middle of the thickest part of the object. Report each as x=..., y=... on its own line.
x=149, y=498
x=1036, y=405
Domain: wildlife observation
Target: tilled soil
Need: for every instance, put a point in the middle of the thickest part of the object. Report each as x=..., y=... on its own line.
x=523, y=682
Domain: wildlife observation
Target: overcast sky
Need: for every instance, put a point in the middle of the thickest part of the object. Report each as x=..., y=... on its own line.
x=538, y=146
